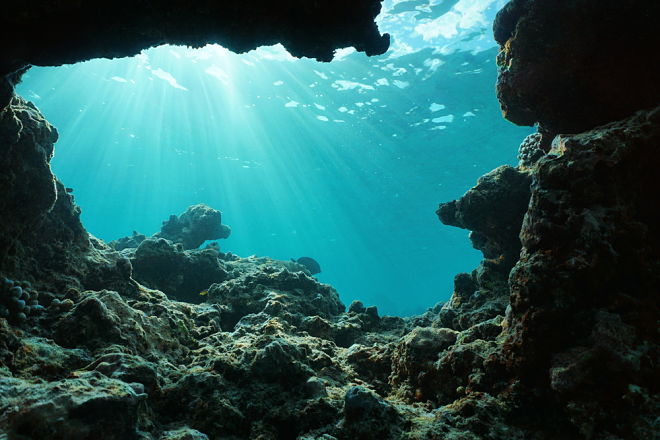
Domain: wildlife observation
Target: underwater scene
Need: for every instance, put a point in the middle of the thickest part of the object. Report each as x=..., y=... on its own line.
x=344, y=162
x=329, y=220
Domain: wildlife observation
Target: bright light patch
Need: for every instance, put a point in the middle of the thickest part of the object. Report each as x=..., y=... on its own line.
x=166, y=76
x=274, y=53
x=218, y=73
x=321, y=74
x=343, y=85
x=433, y=64
x=436, y=107
x=340, y=54
x=441, y=119
x=465, y=14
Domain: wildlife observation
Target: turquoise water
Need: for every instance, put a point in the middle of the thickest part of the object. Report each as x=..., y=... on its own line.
x=344, y=162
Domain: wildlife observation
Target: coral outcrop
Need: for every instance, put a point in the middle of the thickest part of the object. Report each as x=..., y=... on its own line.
x=192, y=228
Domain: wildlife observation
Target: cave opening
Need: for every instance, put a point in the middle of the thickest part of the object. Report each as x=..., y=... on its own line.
x=344, y=161
x=553, y=335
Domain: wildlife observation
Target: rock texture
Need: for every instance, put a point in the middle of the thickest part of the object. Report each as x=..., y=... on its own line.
x=493, y=210
x=571, y=65
x=195, y=226
x=588, y=276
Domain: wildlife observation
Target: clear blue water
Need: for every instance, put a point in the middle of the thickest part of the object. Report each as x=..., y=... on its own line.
x=345, y=162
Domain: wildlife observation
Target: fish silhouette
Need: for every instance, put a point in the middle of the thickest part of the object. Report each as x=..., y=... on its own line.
x=310, y=264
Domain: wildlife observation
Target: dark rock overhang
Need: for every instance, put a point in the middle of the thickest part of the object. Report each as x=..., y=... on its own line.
x=571, y=65
x=39, y=33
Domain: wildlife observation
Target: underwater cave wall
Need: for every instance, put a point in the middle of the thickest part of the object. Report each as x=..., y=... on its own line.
x=580, y=338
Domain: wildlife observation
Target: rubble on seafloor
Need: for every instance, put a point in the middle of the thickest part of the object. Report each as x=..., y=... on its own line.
x=553, y=336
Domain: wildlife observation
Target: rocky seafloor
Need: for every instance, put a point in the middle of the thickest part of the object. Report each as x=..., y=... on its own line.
x=553, y=336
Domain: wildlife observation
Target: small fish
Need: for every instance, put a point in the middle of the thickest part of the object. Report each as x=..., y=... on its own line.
x=203, y=293
x=310, y=264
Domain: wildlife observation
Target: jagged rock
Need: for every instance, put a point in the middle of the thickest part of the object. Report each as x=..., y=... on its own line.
x=192, y=228
x=127, y=242
x=477, y=416
x=64, y=32
x=493, y=210
x=367, y=416
x=128, y=368
x=266, y=371
x=373, y=364
x=272, y=355
x=183, y=275
x=278, y=293
x=101, y=319
x=571, y=65
x=414, y=358
x=465, y=367
x=356, y=307
x=198, y=398
x=583, y=302
x=43, y=240
x=26, y=147
x=183, y=434
x=90, y=406
x=44, y=358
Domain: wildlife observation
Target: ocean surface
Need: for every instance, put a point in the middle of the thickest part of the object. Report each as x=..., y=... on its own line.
x=344, y=162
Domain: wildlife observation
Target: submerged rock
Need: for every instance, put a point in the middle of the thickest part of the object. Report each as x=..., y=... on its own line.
x=368, y=416
x=587, y=274
x=493, y=210
x=573, y=64
x=192, y=228
x=183, y=275
x=90, y=406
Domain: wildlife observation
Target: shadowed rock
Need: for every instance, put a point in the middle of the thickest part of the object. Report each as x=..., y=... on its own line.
x=573, y=64
x=588, y=277
x=66, y=31
x=493, y=210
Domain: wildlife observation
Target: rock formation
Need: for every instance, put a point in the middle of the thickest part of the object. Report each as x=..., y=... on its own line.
x=553, y=336
x=571, y=65
x=195, y=226
x=68, y=31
